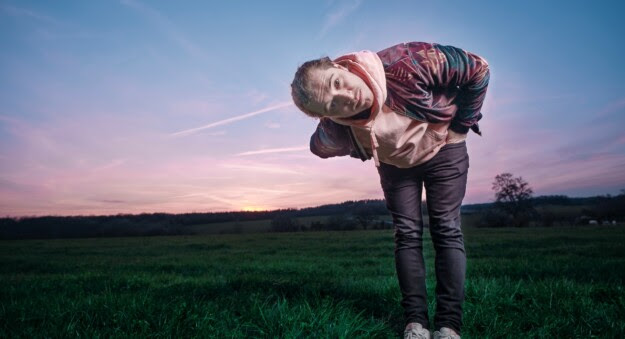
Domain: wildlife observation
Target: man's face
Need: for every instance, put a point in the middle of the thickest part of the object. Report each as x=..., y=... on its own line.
x=336, y=92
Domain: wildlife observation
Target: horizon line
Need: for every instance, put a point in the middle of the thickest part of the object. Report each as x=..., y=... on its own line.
x=608, y=195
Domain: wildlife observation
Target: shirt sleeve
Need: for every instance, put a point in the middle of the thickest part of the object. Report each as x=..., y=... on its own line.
x=438, y=68
x=330, y=140
x=470, y=74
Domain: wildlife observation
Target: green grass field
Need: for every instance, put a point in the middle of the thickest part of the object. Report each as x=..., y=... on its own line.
x=521, y=283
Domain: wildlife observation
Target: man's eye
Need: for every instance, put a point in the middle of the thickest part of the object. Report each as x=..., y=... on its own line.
x=336, y=83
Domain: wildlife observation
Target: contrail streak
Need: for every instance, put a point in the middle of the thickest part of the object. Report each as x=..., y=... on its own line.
x=233, y=119
x=274, y=150
x=262, y=168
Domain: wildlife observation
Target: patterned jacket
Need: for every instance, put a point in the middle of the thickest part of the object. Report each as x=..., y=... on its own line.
x=425, y=81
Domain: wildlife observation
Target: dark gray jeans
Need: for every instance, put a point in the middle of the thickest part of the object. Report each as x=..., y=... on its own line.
x=445, y=180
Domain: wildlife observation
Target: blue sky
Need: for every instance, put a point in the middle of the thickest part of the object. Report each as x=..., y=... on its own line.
x=144, y=106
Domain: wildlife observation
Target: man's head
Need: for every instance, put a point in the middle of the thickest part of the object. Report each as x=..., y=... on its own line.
x=322, y=88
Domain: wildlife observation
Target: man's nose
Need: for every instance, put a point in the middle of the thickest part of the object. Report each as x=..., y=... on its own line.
x=346, y=95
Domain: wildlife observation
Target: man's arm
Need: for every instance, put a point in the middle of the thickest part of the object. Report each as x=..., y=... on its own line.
x=471, y=74
x=330, y=140
x=425, y=68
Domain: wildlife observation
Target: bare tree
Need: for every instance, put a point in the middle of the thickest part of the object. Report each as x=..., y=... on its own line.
x=513, y=195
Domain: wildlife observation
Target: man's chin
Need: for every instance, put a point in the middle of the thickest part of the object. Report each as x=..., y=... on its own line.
x=364, y=114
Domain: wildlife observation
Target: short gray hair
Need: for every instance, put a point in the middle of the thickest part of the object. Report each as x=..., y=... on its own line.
x=300, y=89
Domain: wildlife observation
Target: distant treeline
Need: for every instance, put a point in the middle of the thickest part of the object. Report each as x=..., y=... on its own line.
x=147, y=224
x=343, y=216
x=557, y=210
x=362, y=220
x=560, y=200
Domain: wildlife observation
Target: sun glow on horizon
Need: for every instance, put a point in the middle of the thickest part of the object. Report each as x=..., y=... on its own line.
x=254, y=208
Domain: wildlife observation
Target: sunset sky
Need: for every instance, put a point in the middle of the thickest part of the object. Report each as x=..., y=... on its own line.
x=134, y=106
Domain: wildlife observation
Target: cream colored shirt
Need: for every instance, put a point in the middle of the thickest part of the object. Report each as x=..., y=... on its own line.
x=400, y=140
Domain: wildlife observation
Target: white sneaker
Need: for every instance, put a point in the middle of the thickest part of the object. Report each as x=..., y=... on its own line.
x=416, y=331
x=446, y=333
